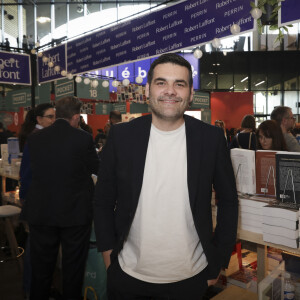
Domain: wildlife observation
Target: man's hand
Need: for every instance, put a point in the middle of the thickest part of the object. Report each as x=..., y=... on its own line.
x=213, y=281
x=106, y=258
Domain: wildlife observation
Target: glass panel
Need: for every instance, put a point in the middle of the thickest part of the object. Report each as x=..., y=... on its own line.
x=241, y=78
x=291, y=100
x=290, y=38
x=258, y=69
x=43, y=23
x=60, y=20
x=11, y=23
x=93, y=7
x=260, y=103
x=291, y=63
x=207, y=74
x=273, y=100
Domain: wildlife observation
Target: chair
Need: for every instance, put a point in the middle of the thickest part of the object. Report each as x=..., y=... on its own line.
x=16, y=252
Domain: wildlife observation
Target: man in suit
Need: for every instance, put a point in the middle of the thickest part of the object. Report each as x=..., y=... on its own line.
x=152, y=211
x=58, y=205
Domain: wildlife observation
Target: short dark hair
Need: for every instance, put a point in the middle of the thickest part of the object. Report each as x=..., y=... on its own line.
x=115, y=115
x=39, y=110
x=271, y=129
x=248, y=122
x=173, y=59
x=67, y=107
x=279, y=113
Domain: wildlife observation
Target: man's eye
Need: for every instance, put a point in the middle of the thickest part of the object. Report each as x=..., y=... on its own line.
x=160, y=83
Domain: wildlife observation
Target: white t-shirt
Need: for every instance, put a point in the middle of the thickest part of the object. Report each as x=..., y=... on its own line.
x=163, y=245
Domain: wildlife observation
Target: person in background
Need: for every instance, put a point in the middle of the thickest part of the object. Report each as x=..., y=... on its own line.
x=115, y=117
x=284, y=117
x=26, y=128
x=246, y=138
x=152, y=210
x=4, y=135
x=85, y=126
x=7, y=44
x=100, y=138
x=270, y=137
x=58, y=204
x=221, y=124
x=25, y=42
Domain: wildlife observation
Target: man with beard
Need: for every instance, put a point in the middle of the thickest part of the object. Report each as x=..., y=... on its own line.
x=153, y=217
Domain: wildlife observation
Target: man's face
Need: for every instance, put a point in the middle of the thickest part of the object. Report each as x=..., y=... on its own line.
x=48, y=118
x=169, y=92
x=289, y=121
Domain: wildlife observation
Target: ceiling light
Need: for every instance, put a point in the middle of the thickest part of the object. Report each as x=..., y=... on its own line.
x=259, y=83
x=232, y=87
x=43, y=20
x=79, y=8
x=244, y=79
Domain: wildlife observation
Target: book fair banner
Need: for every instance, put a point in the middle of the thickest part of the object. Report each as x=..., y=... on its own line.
x=171, y=29
x=15, y=68
x=200, y=100
x=64, y=88
x=92, y=90
x=106, y=108
x=289, y=12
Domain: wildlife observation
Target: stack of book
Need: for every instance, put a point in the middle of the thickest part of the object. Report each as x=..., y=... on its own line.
x=245, y=278
x=281, y=225
x=250, y=213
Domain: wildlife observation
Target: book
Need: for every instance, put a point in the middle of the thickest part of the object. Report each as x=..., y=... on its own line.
x=243, y=278
x=243, y=162
x=288, y=177
x=265, y=167
x=252, y=203
x=276, y=210
x=281, y=231
x=281, y=240
x=283, y=222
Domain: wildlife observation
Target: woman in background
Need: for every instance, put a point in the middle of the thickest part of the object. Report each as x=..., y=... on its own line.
x=246, y=138
x=270, y=137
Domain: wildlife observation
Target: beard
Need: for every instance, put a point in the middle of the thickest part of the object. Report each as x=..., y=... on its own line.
x=165, y=113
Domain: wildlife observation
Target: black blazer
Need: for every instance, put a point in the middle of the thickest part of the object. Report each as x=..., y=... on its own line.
x=62, y=159
x=208, y=164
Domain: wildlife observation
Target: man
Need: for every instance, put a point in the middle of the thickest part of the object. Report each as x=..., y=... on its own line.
x=58, y=205
x=115, y=117
x=284, y=117
x=153, y=217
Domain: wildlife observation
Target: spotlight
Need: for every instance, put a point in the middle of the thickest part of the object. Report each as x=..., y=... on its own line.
x=79, y=8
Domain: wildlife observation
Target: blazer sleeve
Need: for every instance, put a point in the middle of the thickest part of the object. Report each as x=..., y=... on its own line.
x=227, y=216
x=105, y=197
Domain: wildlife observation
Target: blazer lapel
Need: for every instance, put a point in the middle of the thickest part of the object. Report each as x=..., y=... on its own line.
x=194, y=153
x=141, y=138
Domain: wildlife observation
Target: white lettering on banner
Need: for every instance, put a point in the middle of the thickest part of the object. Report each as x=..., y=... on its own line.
x=141, y=72
x=71, y=55
x=111, y=73
x=86, y=40
x=143, y=26
x=126, y=73
x=100, y=51
x=190, y=6
x=120, y=26
x=49, y=72
x=79, y=60
x=143, y=56
x=223, y=28
x=99, y=34
x=84, y=67
x=170, y=14
x=233, y=11
x=207, y=22
x=118, y=35
x=143, y=46
x=191, y=28
x=124, y=43
x=169, y=36
x=170, y=25
x=101, y=43
x=224, y=3
x=169, y=48
x=143, y=35
x=198, y=37
x=19, y=98
x=199, y=13
x=118, y=54
x=100, y=61
x=9, y=63
x=245, y=20
x=175, y=23
x=64, y=89
x=70, y=63
x=160, y=29
x=70, y=47
x=84, y=49
x=55, y=59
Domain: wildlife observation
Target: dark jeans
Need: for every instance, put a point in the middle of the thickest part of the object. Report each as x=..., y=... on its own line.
x=121, y=286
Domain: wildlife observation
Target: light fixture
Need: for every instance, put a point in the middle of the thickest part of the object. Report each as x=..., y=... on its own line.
x=198, y=53
x=244, y=79
x=50, y=64
x=79, y=8
x=259, y=83
x=115, y=83
x=57, y=68
x=12, y=60
x=105, y=83
x=45, y=59
x=37, y=44
x=256, y=13
x=78, y=79
x=232, y=87
x=43, y=20
x=33, y=51
x=139, y=79
x=125, y=82
x=70, y=76
x=235, y=29
x=63, y=73
x=40, y=54
x=224, y=53
x=86, y=81
x=216, y=43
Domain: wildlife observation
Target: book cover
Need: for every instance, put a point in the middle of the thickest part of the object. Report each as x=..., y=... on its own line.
x=243, y=277
x=288, y=177
x=265, y=167
x=243, y=162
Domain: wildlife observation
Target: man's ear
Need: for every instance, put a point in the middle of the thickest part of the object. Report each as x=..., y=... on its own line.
x=75, y=120
x=147, y=90
x=39, y=119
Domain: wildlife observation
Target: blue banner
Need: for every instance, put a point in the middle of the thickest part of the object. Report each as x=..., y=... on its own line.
x=15, y=68
x=57, y=56
x=289, y=12
x=180, y=26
